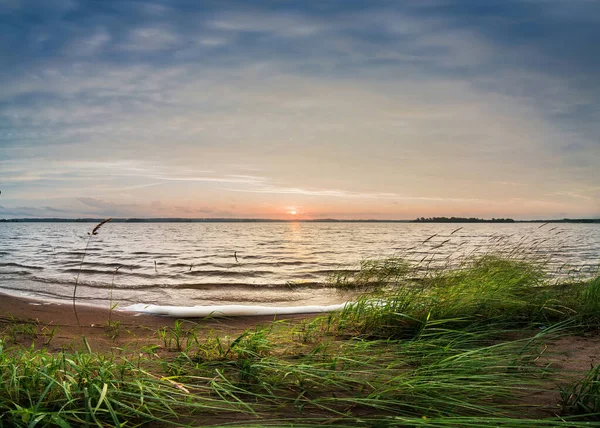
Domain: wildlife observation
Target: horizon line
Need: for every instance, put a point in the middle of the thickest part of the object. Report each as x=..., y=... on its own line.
x=453, y=219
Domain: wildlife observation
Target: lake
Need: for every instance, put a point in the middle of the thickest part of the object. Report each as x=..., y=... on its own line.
x=186, y=264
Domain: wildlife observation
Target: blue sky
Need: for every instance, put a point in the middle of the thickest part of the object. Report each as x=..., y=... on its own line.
x=346, y=109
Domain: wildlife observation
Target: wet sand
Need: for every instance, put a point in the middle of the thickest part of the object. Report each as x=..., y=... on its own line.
x=133, y=328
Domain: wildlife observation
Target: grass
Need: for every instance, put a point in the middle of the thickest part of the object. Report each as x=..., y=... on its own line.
x=84, y=388
x=583, y=396
x=454, y=347
x=91, y=234
x=489, y=289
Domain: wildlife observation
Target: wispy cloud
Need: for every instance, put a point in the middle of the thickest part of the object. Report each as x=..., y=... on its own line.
x=242, y=179
x=330, y=193
x=313, y=192
x=280, y=24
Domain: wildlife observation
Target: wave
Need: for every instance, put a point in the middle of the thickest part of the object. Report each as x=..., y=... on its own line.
x=229, y=274
x=187, y=265
x=253, y=257
x=71, y=253
x=229, y=310
x=325, y=272
x=88, y=271
x=16, y=272
x=11, y=264
x=207, y=285
x=314, y=253
x=119, y=285
x=111, y=265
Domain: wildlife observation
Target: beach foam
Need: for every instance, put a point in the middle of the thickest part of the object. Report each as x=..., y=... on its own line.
x=229, y=310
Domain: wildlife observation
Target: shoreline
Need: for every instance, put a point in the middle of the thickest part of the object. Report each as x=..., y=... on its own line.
x=94, y=321
x=207, y=296
x=49, y=312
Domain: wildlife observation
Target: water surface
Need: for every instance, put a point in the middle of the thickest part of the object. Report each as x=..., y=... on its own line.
x=279, y=264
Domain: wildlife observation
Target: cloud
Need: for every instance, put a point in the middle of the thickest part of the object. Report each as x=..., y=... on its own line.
x=103, y=208
x=279, y=24
x=56, y=210
x=148, y=39
x=96, y=207
x=329, y=193
x=32, y=212
x=427, y=101
x=242, y=179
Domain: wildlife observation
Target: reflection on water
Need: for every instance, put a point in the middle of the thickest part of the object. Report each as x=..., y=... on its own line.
x=219, y=263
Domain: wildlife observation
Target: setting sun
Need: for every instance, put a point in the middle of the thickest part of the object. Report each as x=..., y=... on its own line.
x=293, y=212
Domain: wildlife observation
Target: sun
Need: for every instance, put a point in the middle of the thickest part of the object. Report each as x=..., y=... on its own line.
x=293, y=212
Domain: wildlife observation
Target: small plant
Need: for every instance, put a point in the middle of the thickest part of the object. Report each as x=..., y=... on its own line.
x=112, y=286
x=92, y=233
x=17, y=329
x=308, y=331
x=178, y=333
x=50, y=335
x=113, y=329
x=211, y=349
x=173, y=337
x=583, y=396
x=251, y=344
x=165, y=337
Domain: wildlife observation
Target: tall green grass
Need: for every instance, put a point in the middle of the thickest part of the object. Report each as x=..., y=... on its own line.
x=582, y=397
x=485, y=289
x=38, y=388
x=590, y=300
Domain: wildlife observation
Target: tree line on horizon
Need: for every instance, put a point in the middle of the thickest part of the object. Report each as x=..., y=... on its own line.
x=462, y=220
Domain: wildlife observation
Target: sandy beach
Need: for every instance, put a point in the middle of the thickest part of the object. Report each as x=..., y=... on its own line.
x=133, y=328
x=571, y=352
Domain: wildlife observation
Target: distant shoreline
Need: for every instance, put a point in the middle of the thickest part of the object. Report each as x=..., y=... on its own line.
x=251, y=220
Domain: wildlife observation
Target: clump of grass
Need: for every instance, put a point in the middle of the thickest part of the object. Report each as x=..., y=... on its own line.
x=488, y=288
x=38, y=388
x=590, y=300
x=173, y=337
x=16, y=330
x=437, y=374
x=583, y=396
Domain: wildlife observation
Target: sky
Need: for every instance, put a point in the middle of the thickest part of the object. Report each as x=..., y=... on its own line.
x=300, y=109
